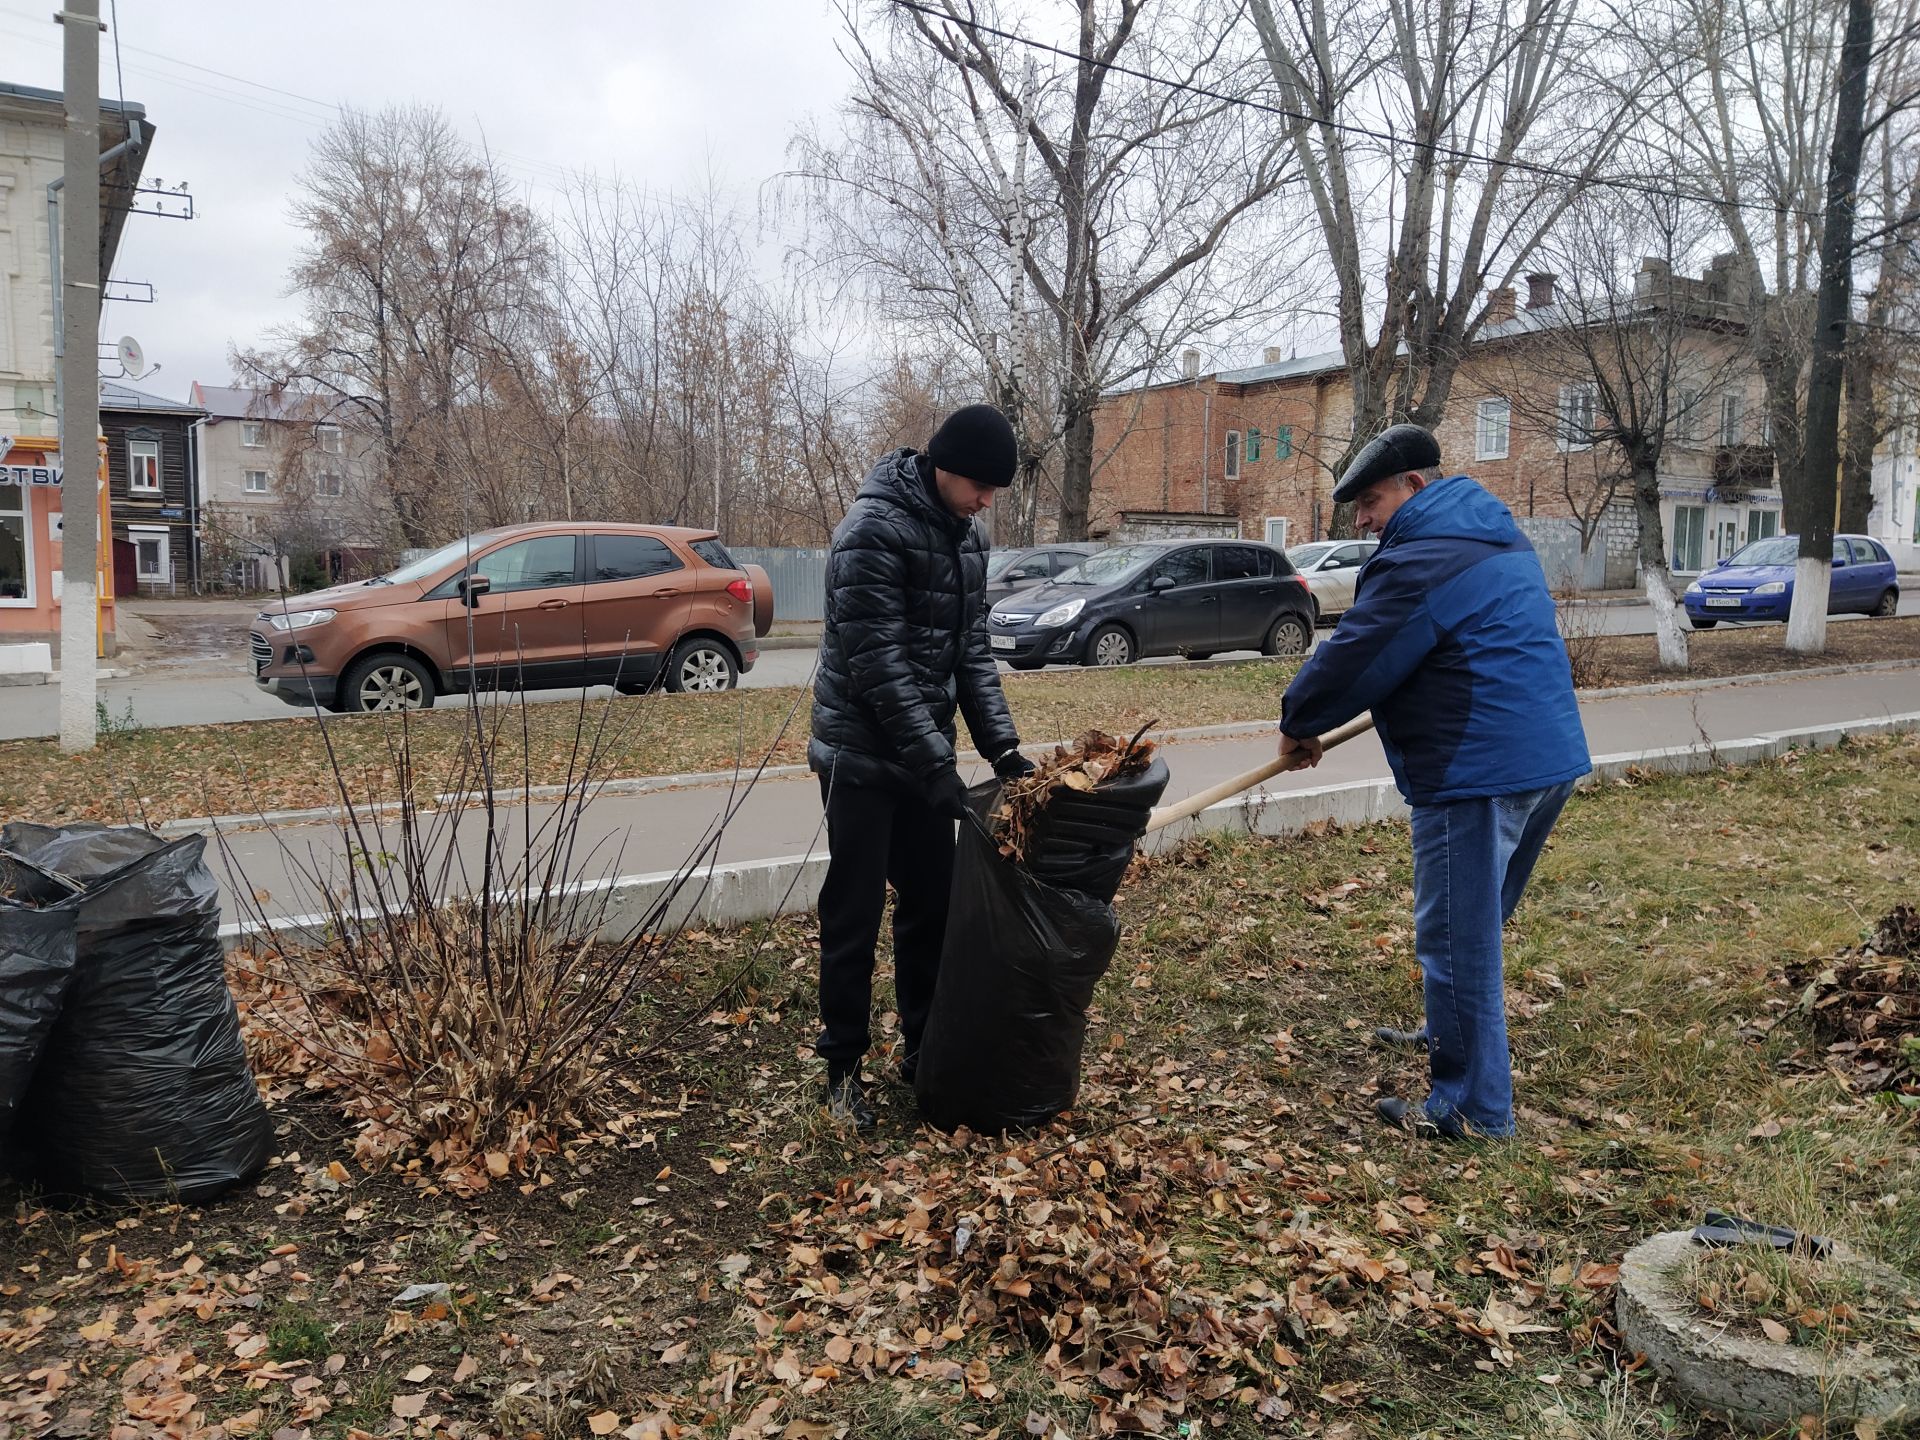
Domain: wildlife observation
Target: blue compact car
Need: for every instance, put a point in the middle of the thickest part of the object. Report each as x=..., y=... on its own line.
x=1756, y=582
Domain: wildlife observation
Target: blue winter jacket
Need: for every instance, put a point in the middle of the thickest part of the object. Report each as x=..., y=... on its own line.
x=1451, y=642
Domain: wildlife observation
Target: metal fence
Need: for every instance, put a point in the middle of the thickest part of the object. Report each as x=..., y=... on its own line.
x=799, y=575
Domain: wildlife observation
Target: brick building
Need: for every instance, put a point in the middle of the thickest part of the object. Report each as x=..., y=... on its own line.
x=1249, y=451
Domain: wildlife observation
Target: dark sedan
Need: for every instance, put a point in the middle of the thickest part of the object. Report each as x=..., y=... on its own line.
x=1011, y=571
x=1191, y=598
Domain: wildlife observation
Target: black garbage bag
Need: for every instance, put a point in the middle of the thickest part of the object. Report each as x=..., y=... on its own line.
x=141, y=1090
x=1023, y=954
x=1084, y=839
x=36, y=967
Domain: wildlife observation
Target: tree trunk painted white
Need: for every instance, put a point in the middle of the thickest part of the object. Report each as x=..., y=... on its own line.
x=1669, y=636
x=1807, y=620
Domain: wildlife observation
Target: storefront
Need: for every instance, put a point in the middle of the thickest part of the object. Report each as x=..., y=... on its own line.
x=1706, y=524
x=31, y=492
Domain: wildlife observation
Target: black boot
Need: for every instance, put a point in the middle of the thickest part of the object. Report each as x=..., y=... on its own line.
x=1410, y=1039
x=847, y=1102
x=1407, y=1116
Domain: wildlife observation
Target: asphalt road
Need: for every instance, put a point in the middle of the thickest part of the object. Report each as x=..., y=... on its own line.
x=216, y=688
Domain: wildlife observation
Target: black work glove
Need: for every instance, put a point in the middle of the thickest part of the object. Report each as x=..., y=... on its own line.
x=1013, y=766
x=947, y=794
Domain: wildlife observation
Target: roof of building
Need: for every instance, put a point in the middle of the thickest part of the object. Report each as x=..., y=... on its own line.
x=1525, y=322
x=119, y=177
x=118, y=397
x=242, y=402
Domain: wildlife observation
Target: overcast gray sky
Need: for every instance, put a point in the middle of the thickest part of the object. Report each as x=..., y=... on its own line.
x=667, y=93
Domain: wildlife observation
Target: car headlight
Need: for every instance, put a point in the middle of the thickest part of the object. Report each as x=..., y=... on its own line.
x=1772, y=587
x=1694, y=588
x=299, y=619
x=1060, y=615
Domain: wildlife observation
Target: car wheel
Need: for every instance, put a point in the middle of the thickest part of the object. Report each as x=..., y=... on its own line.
x=701, y=666
x=1290, y=635
x=386, y=682
x=1109, y=645
x=1887, y=606
x=1701, y=622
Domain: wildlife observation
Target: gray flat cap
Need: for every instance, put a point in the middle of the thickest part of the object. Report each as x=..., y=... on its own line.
x=1394, y=451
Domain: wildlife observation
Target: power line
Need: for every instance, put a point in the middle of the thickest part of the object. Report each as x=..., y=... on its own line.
x=1451, y=152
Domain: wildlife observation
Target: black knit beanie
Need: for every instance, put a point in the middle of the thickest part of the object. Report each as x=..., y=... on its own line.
x=976, y=441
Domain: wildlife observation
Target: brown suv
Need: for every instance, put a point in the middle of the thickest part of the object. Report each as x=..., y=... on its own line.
x=528, y=607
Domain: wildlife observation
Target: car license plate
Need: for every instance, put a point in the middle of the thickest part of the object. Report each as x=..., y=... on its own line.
x=1723, y=602
x=1001, y=642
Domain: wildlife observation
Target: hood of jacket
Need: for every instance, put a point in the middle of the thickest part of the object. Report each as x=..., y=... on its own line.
x=1455, y=508
x=897, y=478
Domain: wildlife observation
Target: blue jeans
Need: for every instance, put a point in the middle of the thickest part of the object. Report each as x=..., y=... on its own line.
x=1471, y=862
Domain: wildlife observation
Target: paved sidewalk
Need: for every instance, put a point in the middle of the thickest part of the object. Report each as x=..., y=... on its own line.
x=654, y=831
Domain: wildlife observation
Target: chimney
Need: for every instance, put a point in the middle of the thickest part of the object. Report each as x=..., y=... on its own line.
x=1500, y=305
x=1190, y=363
x=1540, y=289
x=1272, y=354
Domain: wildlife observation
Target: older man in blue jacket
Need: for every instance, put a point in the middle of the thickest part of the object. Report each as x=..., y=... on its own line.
x=1452, y=644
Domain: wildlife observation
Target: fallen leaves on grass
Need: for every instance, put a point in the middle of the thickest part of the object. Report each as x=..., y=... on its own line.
x=1867, y=1003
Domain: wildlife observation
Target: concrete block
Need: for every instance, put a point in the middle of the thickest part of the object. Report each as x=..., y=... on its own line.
x=34, y=658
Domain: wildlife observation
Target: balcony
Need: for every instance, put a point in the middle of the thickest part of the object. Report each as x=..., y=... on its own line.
x=1740, y=469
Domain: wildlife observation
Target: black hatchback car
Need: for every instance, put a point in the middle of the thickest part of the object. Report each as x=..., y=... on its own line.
x=1011, y=571
x=1172, y=597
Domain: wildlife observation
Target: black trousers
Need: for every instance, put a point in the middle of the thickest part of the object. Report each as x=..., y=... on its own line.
x=879, y=837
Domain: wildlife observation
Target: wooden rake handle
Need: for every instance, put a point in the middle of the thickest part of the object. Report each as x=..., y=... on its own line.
x=1186, y=809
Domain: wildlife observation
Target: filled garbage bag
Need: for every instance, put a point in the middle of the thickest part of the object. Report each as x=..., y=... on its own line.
x=1009, y=1017
x=1084, y=839
x=36, y=967
x=141, y=1090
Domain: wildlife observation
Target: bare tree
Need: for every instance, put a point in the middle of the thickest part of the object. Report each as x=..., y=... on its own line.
x=1009, y=190
x=1623, y=363
x=1440, y=143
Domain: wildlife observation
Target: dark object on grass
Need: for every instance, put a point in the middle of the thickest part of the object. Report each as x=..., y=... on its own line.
x=1722, y=1231
x=1023, y=954
x=139, y=1089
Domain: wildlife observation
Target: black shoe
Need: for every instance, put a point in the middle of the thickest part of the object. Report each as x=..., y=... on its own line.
x=901, y=1075
x=1410, y=1039
x=1405, y=1115
x=847, y=1102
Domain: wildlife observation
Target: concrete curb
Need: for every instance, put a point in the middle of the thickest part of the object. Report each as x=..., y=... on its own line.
x=647, y=784
x=52, y=677
x=766, y=889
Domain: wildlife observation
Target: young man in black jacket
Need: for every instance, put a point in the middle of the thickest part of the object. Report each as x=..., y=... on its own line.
x=905, y=645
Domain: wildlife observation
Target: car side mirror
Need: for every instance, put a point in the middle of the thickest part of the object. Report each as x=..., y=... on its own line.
x=472, y=587
x=1159, y=583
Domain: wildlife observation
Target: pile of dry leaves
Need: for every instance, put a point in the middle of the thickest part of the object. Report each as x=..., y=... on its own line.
x=1093, y=759
x=1868, y=1003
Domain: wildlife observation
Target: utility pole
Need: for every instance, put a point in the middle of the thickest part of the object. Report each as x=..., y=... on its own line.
x=79, y=242
x=1813, y=568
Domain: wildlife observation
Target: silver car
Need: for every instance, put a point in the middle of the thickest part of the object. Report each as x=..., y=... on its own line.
x=1330, y=568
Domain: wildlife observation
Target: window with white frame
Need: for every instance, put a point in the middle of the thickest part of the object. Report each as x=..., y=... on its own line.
x=152, y=561
x=253, y=434
x=256, y=482
x=16, y=545
x=1233, y=455
x=143, y=467
x=327, y=483
x=1686, y=415
x=1730, y=418
x=1492, y=420
x=328, y=438
x=1575, y=430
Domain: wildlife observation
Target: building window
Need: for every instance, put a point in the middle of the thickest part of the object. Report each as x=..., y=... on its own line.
x=1491, y=423
x=253, y=434
x=1575, y=431
x=1233, y=454
x=1689, y=536
x=328, y=437
x=1253, y=444
x=256, y=482
x=1686, y=419
x=143, y=467
x=16, y=545
x=1282, y=442
x=1277, y=531
x=327, y=483
x=1761, y=524
x=152, y=563
x=1730, y=419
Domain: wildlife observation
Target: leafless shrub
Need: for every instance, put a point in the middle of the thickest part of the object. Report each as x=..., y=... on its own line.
x=1583, y=628
x=467, y=987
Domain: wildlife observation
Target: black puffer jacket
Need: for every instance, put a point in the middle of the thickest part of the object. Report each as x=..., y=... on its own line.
x=906, y=637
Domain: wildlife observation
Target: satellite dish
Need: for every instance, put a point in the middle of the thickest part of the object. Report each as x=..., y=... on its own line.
x=132, y=358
